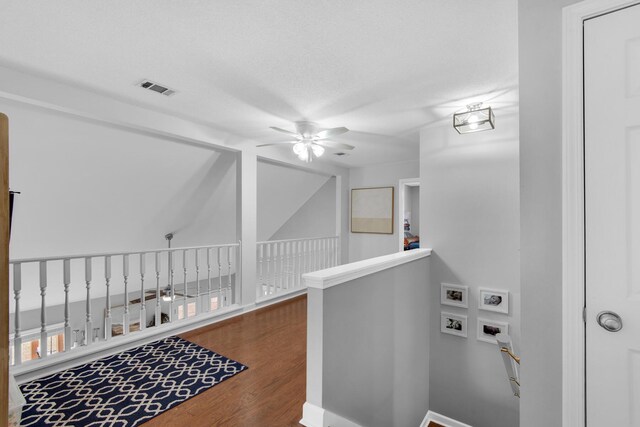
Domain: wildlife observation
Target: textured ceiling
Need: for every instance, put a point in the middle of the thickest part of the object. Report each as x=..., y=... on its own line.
x=381, y=68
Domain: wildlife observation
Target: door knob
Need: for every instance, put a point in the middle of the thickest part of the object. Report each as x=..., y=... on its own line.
x=609, y=321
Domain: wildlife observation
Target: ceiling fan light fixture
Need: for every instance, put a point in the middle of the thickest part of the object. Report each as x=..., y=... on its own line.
x=311, y=141
x=317, y=150
x=475, y=119
x=304, y=155
x=298, y=148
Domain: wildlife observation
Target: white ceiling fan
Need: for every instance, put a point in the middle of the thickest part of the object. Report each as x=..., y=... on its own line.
x=311, y=140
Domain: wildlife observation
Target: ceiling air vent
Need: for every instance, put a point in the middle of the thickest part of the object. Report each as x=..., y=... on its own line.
x=149, y=85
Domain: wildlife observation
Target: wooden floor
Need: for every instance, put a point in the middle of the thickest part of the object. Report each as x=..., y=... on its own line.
x=272, y=343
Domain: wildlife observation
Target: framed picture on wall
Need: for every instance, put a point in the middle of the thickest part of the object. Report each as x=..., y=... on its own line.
x=453, y=324
x=494, y=300
x=372, y=210
x=454, y=295
x=488, y=329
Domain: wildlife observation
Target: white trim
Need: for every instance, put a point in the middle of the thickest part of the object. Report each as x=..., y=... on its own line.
x=573, y=328
x=401, y=187
x=315, y=416
x=279, y=297
x=442, y=420
x=329, y=277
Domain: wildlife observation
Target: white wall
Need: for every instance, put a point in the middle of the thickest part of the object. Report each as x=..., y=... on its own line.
x=373, y=364
x=88, y=187
x=363, y=246
x=540, y=47
x=470, y=217
x=316, y=218
x=282, y=191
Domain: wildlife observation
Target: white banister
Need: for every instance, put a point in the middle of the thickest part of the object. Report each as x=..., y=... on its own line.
x=17, y=288
x=43, y=310
x=274, y=257
x=66, y=277
x=125, y=274
x=281, y=263
x=198, y=299
x=158, y=311
x=184, y=292
x=88, y=326
x=209, y=280
x=79, y=328
x=260, y=257
x=228, y=291
x=107, y=278
x=143, y=296
x=220, y=299
x=268, y=263
x=172, y=287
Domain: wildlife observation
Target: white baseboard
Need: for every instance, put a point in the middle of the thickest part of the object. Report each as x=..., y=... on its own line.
x=282, y=296
x=315, y=416
x=442, y=420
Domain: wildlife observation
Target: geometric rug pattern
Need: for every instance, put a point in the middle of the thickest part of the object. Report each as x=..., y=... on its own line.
x=125, y=389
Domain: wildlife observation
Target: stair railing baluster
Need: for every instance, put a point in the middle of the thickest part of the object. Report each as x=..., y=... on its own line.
x=88, y=324
x=158, y=313
x=44, y=338
x=184, y=296
x=143, y=296
x=229, y=291
x=17, y=337
x=107, y=277
x=198, y=296
x=220, y=299
x=66, y=278
x=125, y=274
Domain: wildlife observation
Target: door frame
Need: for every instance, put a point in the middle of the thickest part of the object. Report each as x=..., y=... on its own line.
x=573, y=211
x=406, y=182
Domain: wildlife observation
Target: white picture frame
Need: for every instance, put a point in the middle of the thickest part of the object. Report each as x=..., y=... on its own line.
x=488, y=329
x=495, y=300
x=454, y=295
x=453, y=324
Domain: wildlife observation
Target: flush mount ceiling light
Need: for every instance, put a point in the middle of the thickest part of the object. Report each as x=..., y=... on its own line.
x=311, y=140
x=475, y=119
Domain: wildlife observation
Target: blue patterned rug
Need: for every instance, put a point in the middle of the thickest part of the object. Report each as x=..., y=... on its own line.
x=125, y=389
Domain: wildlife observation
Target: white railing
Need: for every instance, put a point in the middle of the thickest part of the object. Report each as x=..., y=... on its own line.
x=185, y=282
x=281, y=263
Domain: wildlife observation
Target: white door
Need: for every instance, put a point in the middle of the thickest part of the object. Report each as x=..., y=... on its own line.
x=612, y=209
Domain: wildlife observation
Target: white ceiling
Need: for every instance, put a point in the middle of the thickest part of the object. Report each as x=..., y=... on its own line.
x=381, y=68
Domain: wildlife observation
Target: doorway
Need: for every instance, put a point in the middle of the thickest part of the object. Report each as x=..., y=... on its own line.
x=601, y=281
x=409, y=214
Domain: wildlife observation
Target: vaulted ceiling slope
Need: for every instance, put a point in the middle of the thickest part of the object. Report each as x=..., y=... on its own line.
x=381, y=68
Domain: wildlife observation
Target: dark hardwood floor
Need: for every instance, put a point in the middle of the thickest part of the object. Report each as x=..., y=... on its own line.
x=272, y=343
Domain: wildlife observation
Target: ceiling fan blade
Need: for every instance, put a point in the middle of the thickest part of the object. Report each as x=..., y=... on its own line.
x=277, y=143
x=288, y=132
x=333, y=144
x=328, y=133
